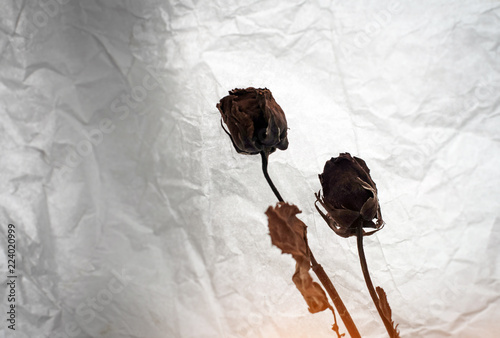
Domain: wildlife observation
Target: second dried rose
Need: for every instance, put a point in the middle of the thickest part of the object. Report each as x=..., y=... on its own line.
x=255, y=121
x=349, y=196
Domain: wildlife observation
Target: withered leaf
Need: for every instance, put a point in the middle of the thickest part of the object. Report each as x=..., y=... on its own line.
x=312, y=292
x=287, y=231
x=290, y=235
x=386, y=309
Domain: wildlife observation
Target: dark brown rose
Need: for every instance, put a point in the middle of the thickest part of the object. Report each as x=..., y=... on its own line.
x=256, y=122
x=349, y=196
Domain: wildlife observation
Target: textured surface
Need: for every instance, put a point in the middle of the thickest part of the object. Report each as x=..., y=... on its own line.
x=136, y=217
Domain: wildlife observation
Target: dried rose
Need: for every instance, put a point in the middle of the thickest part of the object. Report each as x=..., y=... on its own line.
x=349, y=196
x=255, y=120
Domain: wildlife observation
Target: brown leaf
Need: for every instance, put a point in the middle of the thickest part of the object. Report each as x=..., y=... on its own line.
x=312, y=292
x=384, y=304
x=290, y=235
x=386, y=309
x=287, y=231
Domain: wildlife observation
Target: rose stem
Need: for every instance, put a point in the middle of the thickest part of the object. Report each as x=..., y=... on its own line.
x=317, y=268
x=368, y=280
x=332, y=292
x=265, y=156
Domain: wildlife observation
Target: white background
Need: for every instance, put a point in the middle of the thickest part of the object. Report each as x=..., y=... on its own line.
x=135, y=216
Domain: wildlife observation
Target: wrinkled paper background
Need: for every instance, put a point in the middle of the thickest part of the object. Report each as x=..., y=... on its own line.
x=135, y=216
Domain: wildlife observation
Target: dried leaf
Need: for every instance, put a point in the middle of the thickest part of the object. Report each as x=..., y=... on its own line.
x=386, y=309
x=384, y=304
x=312, y=292
x=290, y=235
x=287, y=231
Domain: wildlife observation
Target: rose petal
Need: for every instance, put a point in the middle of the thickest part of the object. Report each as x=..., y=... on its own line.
x=343, y=217
x=369, y=209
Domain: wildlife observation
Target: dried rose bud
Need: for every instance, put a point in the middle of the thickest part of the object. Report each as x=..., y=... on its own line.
x=256, y=122
x=349, y=196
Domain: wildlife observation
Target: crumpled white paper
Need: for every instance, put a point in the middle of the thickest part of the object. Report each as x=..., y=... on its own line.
x=135, y=217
